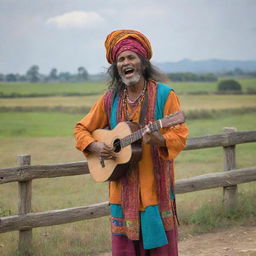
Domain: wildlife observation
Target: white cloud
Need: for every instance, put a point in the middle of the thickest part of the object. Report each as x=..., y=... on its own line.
x=76, y=19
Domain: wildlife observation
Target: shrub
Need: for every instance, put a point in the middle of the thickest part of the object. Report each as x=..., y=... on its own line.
x=229, y=86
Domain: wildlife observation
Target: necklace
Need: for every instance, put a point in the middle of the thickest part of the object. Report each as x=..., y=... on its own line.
x=141, y=95
x=135, y=104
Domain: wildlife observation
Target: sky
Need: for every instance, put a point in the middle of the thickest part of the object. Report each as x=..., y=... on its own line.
x=66, y=34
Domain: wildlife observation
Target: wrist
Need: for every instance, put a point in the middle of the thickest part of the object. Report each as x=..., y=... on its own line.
x=91, y=147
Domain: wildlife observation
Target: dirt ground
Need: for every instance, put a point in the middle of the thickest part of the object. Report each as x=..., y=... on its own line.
x=238, y=241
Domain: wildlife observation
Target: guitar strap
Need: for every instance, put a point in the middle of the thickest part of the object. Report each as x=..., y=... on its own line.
x=144, y=109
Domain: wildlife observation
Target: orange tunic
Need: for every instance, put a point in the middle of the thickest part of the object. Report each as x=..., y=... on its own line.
x=175, y=141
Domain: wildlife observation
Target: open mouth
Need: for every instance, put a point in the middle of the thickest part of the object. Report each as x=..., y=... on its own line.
x=128, y=71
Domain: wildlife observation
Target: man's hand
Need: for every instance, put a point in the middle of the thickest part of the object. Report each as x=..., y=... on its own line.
x=101, y=149
x=154, y=138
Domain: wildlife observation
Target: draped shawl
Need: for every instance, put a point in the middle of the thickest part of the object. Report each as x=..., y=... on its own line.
x=126, y=218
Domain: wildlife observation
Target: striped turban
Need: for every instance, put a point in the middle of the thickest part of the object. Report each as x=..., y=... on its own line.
x=127, y=40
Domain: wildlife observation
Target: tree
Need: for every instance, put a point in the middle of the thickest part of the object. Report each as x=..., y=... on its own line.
x=82, y=74
x=11, y=78
x=53, y=74
x=64, y=76
x=229, y=86
x=33, y=74
x=1, y=77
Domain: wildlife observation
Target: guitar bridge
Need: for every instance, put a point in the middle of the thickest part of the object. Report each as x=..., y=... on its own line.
x=102, y=162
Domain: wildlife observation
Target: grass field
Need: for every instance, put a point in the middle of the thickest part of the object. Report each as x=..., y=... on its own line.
x=99, y=87
x=208, y=87
x=188, y=102
x=48, y=138
x=93, y=236
x=51, y=88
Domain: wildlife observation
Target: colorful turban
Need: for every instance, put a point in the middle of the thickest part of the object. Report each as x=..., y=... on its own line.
x=126, y=40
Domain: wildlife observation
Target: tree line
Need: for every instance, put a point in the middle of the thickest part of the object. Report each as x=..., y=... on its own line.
x=188, y=76
x=33, y=75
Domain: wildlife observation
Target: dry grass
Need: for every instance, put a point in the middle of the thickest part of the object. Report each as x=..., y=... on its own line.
x=188, y=102
x=207, y=102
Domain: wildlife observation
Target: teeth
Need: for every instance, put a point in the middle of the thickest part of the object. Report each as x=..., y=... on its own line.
x=128, y=70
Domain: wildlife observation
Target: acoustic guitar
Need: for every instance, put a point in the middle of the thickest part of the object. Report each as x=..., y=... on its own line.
x=125, y=139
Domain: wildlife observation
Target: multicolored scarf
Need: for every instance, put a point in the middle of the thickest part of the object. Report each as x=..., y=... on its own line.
x=163, y=170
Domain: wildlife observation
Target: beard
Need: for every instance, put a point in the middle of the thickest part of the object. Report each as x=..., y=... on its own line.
x=132, y=80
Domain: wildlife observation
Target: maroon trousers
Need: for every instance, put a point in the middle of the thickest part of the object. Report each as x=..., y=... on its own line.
x=122, y=246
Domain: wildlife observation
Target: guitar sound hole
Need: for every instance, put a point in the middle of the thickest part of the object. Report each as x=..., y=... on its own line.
x=117, y=146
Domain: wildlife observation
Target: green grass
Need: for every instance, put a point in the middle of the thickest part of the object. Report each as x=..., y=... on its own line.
x=39, y=124
x=99, y=87
x=52, y=88
x=214, y=126
x=212, y=215
x=209, y=87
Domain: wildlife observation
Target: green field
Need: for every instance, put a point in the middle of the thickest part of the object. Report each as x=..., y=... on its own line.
x=99, y=87
x=47, y=137
x=209, y=87
x=51, y=88
x=188, y=102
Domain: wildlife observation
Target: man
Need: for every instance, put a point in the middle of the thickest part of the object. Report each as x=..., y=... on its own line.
x=142, y=203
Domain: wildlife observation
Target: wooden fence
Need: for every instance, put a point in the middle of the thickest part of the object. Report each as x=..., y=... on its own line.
x=24, y=173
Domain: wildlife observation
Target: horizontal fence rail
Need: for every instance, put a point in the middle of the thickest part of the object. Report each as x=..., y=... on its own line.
x=24, y=173
x=221, y=140
x=56, y=217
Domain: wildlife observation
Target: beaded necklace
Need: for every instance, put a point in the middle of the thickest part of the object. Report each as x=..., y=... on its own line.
x=135, y=104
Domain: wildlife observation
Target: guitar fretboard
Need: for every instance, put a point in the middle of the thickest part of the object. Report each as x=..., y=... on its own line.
x=139, y=134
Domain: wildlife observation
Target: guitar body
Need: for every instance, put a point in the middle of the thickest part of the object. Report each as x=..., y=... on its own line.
x=125, y=139
x=113, y=169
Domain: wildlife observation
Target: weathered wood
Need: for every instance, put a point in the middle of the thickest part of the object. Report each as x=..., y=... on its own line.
x=207, y=181
x=78, y=168
x=214, y=180
x=54, y=217
x=229, y=192
x=24, y=207
x=221, y=140
x=42, y=171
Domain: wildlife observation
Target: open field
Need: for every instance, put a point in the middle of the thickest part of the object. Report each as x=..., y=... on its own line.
x=209, y=87
x=48, y=138
x=99, y=87
x=61, y=124
x=51, y=88
x=91, y=237
x=188, y=102
x=72, y=101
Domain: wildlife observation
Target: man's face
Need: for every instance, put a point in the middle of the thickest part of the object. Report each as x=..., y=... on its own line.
x=129, y=67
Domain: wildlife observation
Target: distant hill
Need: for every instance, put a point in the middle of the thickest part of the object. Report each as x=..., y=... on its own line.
x=206, y=66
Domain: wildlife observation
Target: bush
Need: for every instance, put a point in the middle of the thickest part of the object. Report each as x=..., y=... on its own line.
x=251, y=90
x=229, y=86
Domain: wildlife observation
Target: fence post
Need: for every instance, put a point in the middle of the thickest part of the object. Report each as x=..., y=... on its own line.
x=229, y=192
x=24, y=206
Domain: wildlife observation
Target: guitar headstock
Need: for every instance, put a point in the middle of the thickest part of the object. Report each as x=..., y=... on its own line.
x=173, y=119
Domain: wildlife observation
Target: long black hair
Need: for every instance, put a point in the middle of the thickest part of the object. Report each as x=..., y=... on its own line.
x=149, y=72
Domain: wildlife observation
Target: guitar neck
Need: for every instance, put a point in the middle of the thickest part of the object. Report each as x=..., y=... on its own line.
x=128, y=140
x=168, y=121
